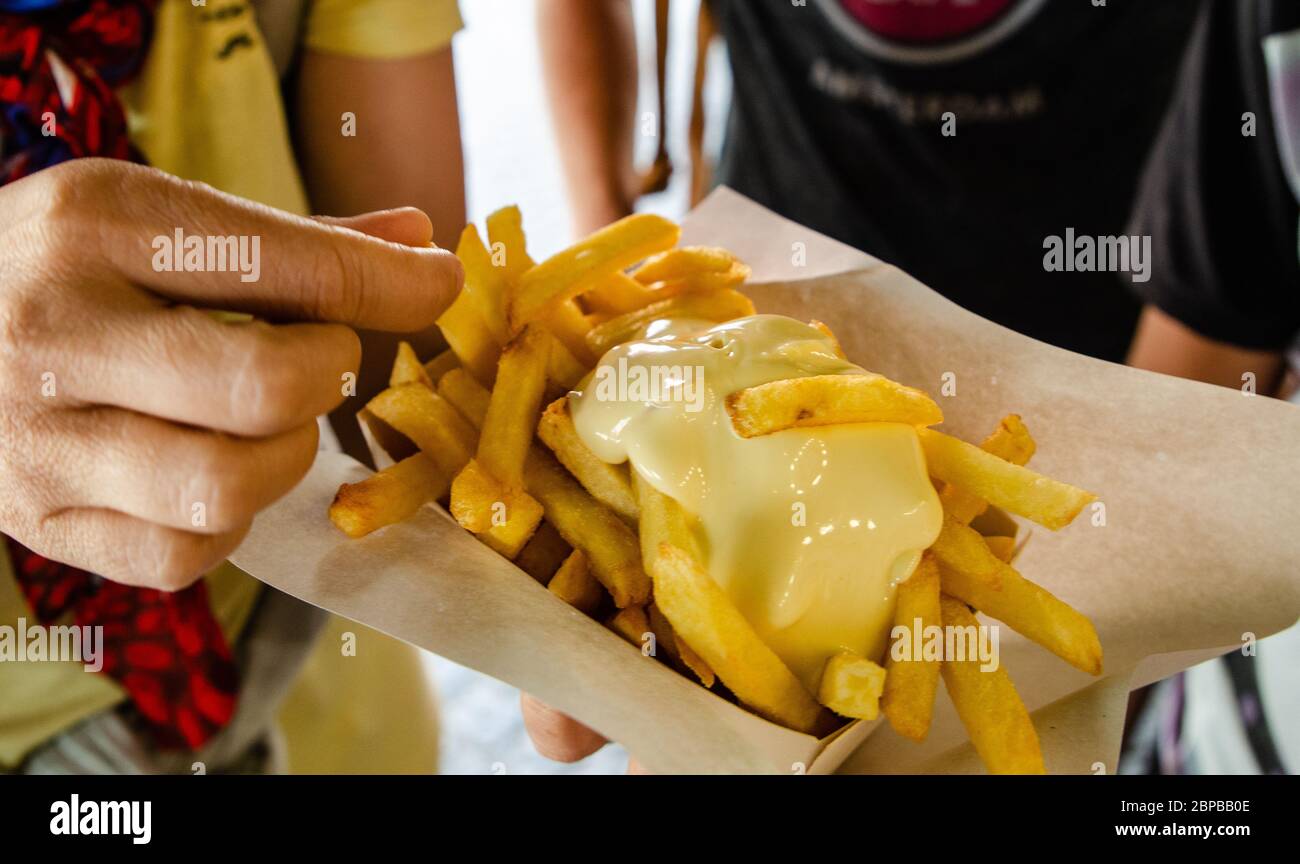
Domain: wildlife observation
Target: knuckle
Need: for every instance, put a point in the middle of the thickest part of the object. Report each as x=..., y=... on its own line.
x=337, y=293
x=267, y=391
x=179, y=560
x=221, y=493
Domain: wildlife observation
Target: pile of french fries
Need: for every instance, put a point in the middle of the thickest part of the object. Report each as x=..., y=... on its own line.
x=518, y=476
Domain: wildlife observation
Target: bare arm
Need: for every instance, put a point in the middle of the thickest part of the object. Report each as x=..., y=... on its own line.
x=406, y=151
x=589, y=62
x=1162, y=344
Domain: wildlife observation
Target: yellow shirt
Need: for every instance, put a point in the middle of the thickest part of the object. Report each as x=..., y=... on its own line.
x=207, y=106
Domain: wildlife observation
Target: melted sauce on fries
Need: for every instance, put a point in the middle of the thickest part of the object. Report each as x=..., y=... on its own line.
x=809, y=529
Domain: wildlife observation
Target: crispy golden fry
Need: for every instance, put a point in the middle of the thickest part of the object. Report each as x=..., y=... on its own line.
x=662, y=520
x=961, y=548
x=686, y=261
x=389, y=496
x=910, y=685
x=441, y=365
x=429, y=420
x=607, y=483
x=470, y=339
x=679, y=654
x=632, y=624
x=574, y=584
x=839, y=352
x=485, y=283
x=570, y=327
x=1003, y=548
x=563, y=369
x=505, y=229
x=1010, y=441
x=714, y=306
x=487, y=497
x=392, y=442
x=705, y=618
x=503, y=517
x=465, y=394
x=997, y=590
x=585, y=523
x=407, y=368
x=851, y=686
x=617, y=294
x=515, y=407
x=579, y=268
x=543, y=554
x=1018, y=490
x=823, y=400
x=989, y=707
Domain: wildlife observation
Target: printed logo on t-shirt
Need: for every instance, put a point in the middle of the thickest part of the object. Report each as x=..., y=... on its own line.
x=924, y=21
x=927, y=31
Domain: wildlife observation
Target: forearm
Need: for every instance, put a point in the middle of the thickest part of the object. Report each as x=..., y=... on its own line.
x=1162, y=344
x=405, y=151
x=589, y=63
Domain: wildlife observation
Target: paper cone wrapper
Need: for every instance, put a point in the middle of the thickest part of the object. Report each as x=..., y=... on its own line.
x=1194, y=551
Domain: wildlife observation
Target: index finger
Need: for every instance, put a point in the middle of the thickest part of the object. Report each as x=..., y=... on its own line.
x=194, y=244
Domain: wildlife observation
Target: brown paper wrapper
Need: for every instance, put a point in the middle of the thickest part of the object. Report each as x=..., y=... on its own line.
x=1197, y=549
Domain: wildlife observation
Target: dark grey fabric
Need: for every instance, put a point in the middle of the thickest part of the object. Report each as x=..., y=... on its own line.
x=1054, y=121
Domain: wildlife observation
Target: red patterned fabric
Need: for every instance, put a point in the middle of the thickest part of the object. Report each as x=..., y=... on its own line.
x=166, y=650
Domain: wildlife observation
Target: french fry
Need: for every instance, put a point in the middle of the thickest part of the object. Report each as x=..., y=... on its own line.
x=429, y=420
x=685, y=261
x=388, y=496
x=632, y=624
x=470, y=339
x=515, y=406
x=543, y=554
x=611, y=548
x=392, y=442
x=910, y=685
x=574, y=584
x=607, y=483
x=485, y=283
x=441, y=365
x=997, y=590
x=823, y=400
x=570, y=327
x=989, y=707
x=675, y=648
x=1010, y=441
x=407, y=368
x=1003, y=548
x=827, y=332
x=466, y=395
x=505, y=228
x=506, y=234
x=705, y=618
x=616, y=294
x=487, y=497
x=662, y=521
x=579, y=268
x=959, y=547
x=1048, y=502
x=713, y=306
x=851, y=686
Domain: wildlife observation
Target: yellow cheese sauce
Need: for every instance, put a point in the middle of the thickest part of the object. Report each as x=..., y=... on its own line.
x=807, y=530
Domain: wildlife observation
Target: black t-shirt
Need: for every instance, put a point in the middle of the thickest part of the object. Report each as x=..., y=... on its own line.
x=1215, y=200
x=837, y=122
